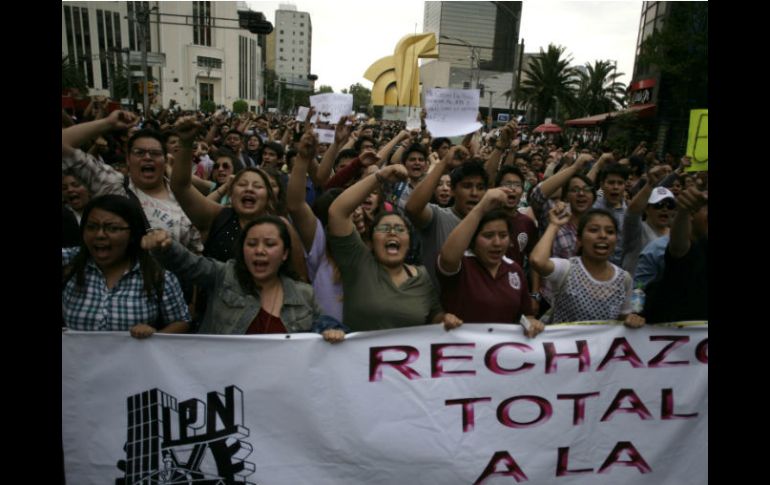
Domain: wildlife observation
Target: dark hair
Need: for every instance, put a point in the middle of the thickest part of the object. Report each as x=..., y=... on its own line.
x=471, y=168
x=346, y=153
x=437, y=142
x=361, y=140
x=584, y=178
x=147, y=133
x=130, y=211
x=415, y=147
x=505, y=170
x=276, y=147
x=414, y=253
x=323, y=202
x=271, y=198
x=591, y=213
x=493, y=215
x=281, y=208
x=613, y=170
x=242, y=273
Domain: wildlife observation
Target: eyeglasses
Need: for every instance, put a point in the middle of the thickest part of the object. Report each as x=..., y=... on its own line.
x=388, y=228
x=511, y=185
x=107, y=228
x=224, y=165
x=667, y=204
x=141, y=152
x=577, y=190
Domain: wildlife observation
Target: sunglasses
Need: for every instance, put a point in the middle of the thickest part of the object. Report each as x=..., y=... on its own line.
x=667, y=204
x=223, y=165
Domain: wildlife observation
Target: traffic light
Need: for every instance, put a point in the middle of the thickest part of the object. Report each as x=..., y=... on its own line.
x=254, y=22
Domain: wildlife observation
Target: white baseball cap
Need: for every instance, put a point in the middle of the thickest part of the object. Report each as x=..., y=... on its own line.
x=660, y=193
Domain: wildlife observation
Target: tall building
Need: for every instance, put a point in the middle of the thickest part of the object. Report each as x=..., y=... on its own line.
x=293, y=47
x=477, y=44
x=670, y=96
x=196, y=51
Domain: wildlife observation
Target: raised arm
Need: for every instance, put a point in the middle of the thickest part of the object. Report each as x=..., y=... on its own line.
x=198, y=207
x=688, y=203
x=460, y=238
x=540, y=257
x=302, y=216
x=554, y=183
x=343, y=206
x=417, y=205
x=76, y=135
x=594, y=172
x=341, y=135
x=507, y=133
x=402, y=136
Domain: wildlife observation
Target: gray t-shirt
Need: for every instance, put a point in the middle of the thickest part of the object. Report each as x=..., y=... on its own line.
x=434, y=234
x=371, y=300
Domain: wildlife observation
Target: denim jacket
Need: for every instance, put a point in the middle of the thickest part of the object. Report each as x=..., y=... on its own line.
x=229, y=309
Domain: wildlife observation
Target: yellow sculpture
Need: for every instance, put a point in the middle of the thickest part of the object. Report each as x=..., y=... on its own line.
x=396, y=78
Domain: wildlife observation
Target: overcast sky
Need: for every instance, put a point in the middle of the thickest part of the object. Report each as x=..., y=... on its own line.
x=349, y=35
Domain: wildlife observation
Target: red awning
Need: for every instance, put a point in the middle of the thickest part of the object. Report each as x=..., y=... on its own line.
x=642, y=109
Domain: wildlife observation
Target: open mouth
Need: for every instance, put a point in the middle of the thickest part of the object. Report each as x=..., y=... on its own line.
x=148, y=170
x=249, y=201
x=392, y=247
x=601, y=248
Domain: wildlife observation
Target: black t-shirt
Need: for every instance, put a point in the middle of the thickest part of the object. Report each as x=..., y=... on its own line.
x=682, y=292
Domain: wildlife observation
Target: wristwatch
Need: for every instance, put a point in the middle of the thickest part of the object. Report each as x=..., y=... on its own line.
x=536, y=296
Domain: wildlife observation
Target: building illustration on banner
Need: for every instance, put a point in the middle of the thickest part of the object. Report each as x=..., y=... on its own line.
x=189, y=442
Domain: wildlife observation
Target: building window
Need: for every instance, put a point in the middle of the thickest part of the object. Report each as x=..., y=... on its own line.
x=242, y=66
x=79, y=41
x=202, y=23
x=133, y=26
x=302, y=34
x=207, y=92
x=211, y=62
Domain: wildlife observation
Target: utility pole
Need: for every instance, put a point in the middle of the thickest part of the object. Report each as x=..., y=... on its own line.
x=518, y=78
x=143, y=19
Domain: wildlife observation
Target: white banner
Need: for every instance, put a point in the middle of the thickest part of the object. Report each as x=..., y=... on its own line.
x=332, y=106
x=482, y=404
x=451, y=112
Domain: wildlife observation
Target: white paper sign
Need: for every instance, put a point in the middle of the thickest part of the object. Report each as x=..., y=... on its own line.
x=325, y=136
x=451, y=112
x=302, y=114
x=413, y=121
x=579, y=404
x=332, y=106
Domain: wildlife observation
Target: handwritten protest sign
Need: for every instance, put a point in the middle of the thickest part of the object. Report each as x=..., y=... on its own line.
x=698, y=141
x=451, y=112
x=332, y=106
x=325, y=135
x=302, y=114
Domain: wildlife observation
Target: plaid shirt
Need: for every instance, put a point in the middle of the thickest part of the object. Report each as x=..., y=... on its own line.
x=565, y=244
x=97, y=308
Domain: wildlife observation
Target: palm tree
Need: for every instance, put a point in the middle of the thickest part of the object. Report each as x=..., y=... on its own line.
x=549, y=83
x=599, y=91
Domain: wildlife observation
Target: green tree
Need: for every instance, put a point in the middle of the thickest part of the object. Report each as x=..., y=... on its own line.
x=72, y=77
x=240, y=106
x=362, y=98
x=208, y=106
x=325, y=89
x=599, y=91
x=549, y=83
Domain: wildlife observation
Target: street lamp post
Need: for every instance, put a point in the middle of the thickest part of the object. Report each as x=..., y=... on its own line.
x=475, y=56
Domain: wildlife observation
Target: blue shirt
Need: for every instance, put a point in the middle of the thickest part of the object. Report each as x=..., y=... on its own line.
x=651, y=262
x=94, y=307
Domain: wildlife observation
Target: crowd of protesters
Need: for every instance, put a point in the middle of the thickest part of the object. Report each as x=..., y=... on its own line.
x=238, y=224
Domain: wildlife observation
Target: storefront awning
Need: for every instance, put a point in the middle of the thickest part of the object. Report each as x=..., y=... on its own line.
x=643, y=110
